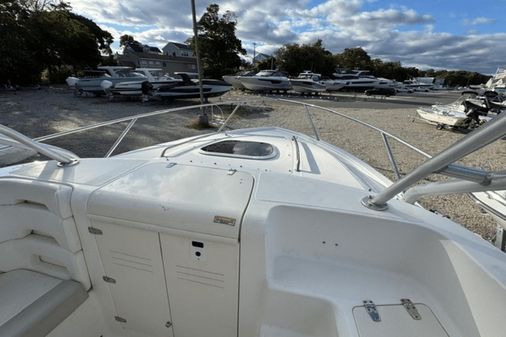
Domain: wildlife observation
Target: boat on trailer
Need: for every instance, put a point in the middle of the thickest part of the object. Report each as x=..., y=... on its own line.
x=307, y=83
x=266, y=81
x=113, y=74
x=242, y=232
x=163, y=86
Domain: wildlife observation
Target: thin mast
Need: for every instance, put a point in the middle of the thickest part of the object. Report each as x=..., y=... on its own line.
x=196, y=44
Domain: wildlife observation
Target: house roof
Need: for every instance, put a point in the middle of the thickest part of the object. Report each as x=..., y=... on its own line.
x=181, y=45
x=154, y=49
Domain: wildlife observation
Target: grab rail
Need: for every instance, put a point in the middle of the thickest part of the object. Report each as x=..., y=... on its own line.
x=64, y=158
x=473, y=141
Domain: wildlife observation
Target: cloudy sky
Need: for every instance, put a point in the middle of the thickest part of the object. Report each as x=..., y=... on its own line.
x=464, y=34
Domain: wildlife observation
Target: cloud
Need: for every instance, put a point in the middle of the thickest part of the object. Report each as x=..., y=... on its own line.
x=481, y=20
x=394, y=33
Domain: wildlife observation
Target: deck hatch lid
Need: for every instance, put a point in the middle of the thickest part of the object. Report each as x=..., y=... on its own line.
x=397, y=321
x=241, y=149
x=191, y=198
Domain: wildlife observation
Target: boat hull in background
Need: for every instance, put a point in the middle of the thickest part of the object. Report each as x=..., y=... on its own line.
x=255, y=83
x=307, y=86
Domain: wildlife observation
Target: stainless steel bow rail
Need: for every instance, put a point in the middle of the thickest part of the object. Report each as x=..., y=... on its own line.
x=472, y=180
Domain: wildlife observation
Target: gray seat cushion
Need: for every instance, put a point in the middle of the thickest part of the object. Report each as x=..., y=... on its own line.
x=33, y=304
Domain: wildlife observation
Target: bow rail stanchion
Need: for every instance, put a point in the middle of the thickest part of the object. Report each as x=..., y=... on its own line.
x=443, y=163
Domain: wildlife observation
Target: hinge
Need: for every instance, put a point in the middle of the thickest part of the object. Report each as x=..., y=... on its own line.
x=120, y=319
x=372, y=310
x=108, y=279
x=94, y=230
x=410, y=308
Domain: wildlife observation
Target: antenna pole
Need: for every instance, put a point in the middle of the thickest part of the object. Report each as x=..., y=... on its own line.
x=196, y=44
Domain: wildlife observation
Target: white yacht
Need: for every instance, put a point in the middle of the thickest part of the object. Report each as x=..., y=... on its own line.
x=242, y=233
x=422, y=84
x=308, y=82
x=190, y=88
x=356, y=80
x=154, y=78
x=468, y=111
x=113, y=74
x=161, y=85
x=498, y=81
x=266, y=80
x=235, y=80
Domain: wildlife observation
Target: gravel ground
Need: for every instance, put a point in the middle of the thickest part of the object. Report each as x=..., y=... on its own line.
x=49, y=110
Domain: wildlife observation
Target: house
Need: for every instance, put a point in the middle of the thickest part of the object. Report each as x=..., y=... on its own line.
x=143, y=56
x=261, y=57
x=178, y=50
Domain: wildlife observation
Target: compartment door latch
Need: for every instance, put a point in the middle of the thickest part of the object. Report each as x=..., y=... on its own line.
x=371, y=309
x=411, y=308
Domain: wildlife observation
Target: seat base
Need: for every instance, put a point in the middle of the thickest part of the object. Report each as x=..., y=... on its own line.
x=33, y=304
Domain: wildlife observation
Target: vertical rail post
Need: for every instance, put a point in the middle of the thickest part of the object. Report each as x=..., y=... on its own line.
x=317, y=134
x=391, y=156
x=228, y=118
x=120, y=138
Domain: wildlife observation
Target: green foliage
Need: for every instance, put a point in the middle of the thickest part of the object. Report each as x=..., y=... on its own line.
x=125, y=40
x=354, y=58
x=268, y=63
x=129, y=40
x=295, y=58
x=218, y=45
x=38, y=35
x=462, y=78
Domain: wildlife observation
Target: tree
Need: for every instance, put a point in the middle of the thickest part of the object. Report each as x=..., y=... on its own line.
x=42, y=34
x=125, y=40
x=354, y=58
x=218, y=45
x=295, y=58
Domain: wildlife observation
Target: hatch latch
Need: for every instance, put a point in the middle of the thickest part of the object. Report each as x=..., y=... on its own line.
x=411, y=308
x=371, y=309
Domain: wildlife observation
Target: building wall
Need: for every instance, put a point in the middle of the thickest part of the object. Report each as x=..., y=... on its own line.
x=168, y=64
x=171, y=50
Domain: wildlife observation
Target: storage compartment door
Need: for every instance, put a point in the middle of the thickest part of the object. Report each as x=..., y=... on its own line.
x=202, y=281
x=134, y=272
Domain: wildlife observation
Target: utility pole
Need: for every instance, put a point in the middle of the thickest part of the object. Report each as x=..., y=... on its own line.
x=203, y=118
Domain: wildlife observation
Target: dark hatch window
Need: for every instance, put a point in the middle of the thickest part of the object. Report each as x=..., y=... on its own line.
x=239, y=148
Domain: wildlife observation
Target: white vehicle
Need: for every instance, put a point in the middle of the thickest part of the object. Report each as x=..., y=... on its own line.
x=242, y=233
x=308, y=82
x=266, y=80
